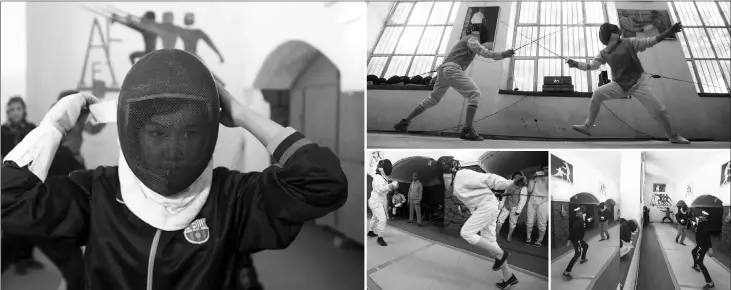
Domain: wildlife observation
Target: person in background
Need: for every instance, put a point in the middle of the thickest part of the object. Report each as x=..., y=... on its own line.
x=668, y=214
x=682, y=218
x=382, y=185
x=645, y=216
x=17, y=250
x=537, y=207
x=416, y=191
x=603, y=221
x=398, y=201
x=512, y=205
x=576, y=238
x=702, y=247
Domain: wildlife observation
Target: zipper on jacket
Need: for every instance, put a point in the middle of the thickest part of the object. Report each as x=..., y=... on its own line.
x=151, y=260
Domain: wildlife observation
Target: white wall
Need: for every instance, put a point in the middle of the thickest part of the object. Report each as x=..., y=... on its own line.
x=555, y=115
x=587, y=175
x=12, y=52
x=630, y=185
x=706, y=179
x=245, y=33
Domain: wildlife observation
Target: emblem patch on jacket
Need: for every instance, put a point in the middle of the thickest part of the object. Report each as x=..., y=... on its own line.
x=197, y=232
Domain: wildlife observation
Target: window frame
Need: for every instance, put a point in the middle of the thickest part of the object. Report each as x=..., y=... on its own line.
x=537, y=57
x=415, y=54
x=698, y=82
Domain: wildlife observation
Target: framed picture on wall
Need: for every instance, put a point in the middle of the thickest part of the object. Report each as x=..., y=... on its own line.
x=644, y=23
x=658, y=187
x=562, y=170
x=488, y=16
x=725, y=173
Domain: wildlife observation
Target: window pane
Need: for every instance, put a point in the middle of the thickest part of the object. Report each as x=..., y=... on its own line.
x=528, y=12
x=710, y=14
x=683, y=44
x=420, y=13
x=445, y=40
x=726, y=68
x=398, y=66
x=438, y=62
x=388, y=40
x=421, y=64
x=401, y=12
x=594, y=12
x=523, y=75
x=453, y=15
x=550, y=40
x=726, y=8
x=698, y=41
x=673, y=15
x=525, y=35
x=721, y=40
x=548, y=67
x=550, y=12
x=688, y=14
x=710, y=74
x=430, y=40
x=573, y=42
x=572, y=13
x=593, y=45
x=692, y=73
x=578, y=78
x=375, y=65
x=440, y=13
x=409, y=40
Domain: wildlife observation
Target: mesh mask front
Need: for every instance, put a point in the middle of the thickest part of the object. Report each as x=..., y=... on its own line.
x=167, y=118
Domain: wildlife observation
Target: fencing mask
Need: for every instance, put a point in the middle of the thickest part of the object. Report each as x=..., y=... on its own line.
x=167, y=119
x=386, y=165
x=605, y=32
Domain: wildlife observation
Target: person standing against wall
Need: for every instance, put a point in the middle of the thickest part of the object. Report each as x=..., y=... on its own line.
x=416, y=191
x=603, y=221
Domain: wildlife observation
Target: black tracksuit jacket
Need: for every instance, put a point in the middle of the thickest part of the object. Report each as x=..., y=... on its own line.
x=244, y=213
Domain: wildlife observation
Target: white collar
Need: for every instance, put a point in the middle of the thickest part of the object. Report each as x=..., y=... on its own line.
x=168, y=213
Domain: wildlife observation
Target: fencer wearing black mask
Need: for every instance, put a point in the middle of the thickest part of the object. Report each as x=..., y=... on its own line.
x=164, y=218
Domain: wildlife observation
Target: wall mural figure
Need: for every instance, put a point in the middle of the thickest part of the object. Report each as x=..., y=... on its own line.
x=562, y=170
x=141, y=25
x=166, y=30
x=658, y=187
x=661, y=200
x=725, y=173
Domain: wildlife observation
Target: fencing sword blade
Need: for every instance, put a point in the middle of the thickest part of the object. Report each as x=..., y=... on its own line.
x=96, y=12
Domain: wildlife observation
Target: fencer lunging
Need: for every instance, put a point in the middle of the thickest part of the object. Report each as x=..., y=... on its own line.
x=452, y=74
x=475, y=190
x=377, y=202
x=511, y=206
x=576, y=239
x=629, y=78
x=537, y=207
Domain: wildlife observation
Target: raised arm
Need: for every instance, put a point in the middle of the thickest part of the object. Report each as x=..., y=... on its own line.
x=207, y=40
x=594, y=65
x=482, y=51
x=33, y=205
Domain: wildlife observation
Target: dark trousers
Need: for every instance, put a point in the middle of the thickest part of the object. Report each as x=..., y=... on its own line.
x=580, y=248
x=698, y=255
x=65, y=255
x=663, y=220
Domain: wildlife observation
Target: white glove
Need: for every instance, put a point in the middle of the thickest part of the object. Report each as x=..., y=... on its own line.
x=64, y=114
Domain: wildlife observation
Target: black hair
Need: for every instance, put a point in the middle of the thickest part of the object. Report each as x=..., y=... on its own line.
x=19, y=100
x=149, y=15
x=517, y=172
x=66, y=94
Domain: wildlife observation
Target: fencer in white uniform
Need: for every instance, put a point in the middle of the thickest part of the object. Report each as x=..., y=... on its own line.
x=537, y=207
x=378, y=200
x=511, y=206
x=475, y=190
